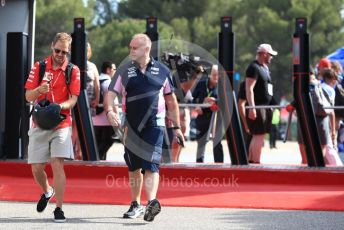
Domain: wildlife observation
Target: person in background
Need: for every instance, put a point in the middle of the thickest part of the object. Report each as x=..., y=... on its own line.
x=103, y=131
x=92, y=82
x=323, y=64
x=321, y=101
x=338, y=69
x=206, y=92
x=93, y=93
x=184, y=88
x=330, y=80
x=339, y=101
x=274, y=128
x=259, y=91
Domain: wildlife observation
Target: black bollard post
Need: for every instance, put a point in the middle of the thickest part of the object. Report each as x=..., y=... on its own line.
x=152, y=32
x=82, y=114
x=17, y=117
x=227, y=99
x=303, y=103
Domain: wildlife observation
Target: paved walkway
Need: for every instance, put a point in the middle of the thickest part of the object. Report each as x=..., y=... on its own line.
x=285, y=153
x=14, y=215
x=22, y=215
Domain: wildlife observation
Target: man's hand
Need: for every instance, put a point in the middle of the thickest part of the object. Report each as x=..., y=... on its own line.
x=113, y=118
x=44, y=88
x=209, y=100
x=252, y=114
x=198, y=110
x=179, y=136
x=94, y=103
x=245, y=126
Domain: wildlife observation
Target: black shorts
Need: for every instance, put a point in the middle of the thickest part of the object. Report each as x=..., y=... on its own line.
x=262, y=124
x=143, y=149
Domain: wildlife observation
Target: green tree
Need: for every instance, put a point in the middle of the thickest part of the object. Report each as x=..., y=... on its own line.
x=198, y=21
x=57, y=16
x=325, y=24
x=205, y=35
x=181, y=28
x=165, y=10
x=105, y=11
x=266, y=21
x=111, y=41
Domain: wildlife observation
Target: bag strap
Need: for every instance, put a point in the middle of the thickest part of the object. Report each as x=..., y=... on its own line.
x=68, y=74
x=41, y=70
x=68, y=71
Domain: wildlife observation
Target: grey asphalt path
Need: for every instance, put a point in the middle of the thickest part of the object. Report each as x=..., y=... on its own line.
x=286, y=153
x=22, y=215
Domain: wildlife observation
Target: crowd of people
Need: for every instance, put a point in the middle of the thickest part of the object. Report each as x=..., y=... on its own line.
x=324, y=83
x=151, y=121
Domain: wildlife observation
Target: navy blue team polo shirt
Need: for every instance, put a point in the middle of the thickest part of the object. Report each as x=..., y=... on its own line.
x=143, y=93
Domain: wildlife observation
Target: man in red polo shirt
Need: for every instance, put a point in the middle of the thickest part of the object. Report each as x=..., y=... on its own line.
x=53, y=145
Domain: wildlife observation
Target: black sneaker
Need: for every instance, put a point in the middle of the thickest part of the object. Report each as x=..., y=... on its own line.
x=153, y=208
x=134, y=211
x=43, y=202
x=59, y=215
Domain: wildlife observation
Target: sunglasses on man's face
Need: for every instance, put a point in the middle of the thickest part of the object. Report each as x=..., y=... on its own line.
x=57, y=51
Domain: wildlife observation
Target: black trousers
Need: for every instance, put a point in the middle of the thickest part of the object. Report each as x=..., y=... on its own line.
x=104, y=137
x=273, y=136
x=202, y=126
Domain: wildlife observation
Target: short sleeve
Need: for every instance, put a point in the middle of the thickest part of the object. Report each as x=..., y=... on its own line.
x=33, y=78
x=168, y=85
x=252, y=71
x=116, y=84
x=242, y=91
x=105, y=85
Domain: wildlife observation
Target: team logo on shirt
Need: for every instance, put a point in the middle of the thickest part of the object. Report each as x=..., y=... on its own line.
x=47, y=77
x=132, y=72
x=155, y=70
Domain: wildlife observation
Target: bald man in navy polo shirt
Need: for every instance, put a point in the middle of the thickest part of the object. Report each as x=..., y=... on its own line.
x=146, y=88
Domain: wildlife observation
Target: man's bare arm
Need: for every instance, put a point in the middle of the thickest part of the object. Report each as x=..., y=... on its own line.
x=70, y=103
x=249, y=85
x=111, y=110
x=173, y=112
